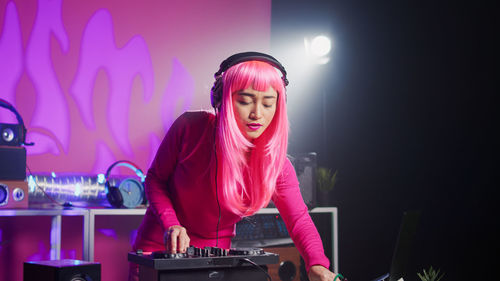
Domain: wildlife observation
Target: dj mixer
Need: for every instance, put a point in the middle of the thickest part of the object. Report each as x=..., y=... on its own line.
x=209, y=263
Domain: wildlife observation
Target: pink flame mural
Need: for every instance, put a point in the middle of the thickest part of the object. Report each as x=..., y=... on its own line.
x=102, y=80
x=99, y=81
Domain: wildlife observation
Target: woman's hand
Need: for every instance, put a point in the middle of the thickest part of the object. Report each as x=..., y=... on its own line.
x=176, y=239
x=320, y=273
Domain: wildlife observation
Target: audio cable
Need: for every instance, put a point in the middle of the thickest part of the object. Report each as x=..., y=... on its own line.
x=66, y=204
x=258, y=267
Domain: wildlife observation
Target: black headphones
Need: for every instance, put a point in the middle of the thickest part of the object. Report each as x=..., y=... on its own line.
x=114, y=195
x=216, y=93
x=12, y=134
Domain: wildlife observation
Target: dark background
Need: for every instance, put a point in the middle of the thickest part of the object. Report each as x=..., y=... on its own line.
x=409, y=126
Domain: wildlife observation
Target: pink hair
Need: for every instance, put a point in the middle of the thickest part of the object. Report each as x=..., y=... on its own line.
x=248, y=183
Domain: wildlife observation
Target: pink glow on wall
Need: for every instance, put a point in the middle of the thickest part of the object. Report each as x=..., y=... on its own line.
x=102, y=80
x=98, y=81
x=43, y=253
x=180, y=88
x=98, y=51
x=11, y=59
x=51, y=109
x=108, y=232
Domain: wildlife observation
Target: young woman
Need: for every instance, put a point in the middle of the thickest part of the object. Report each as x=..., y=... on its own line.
x=212, y=169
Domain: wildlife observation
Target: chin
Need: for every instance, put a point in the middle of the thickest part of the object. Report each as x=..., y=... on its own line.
x=253, y=135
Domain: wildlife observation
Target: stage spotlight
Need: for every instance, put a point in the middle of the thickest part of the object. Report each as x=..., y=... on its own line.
x=318, y=49
x=321, y=46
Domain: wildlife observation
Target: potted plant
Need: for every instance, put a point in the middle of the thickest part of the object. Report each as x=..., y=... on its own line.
x=326, y=180
x=431, y=275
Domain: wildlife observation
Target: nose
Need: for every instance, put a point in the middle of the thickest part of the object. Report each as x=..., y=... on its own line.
x=256, y=112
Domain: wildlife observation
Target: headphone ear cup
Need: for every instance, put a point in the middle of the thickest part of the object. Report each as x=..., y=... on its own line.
x=216, y=97
x=114, y=196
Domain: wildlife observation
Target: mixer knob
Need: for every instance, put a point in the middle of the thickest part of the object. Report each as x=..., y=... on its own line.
x=204, y=252
x=190, y=251
x=175, y=256
x=217, y=252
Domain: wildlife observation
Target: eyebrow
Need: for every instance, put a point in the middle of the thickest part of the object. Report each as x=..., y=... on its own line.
x=253, y=95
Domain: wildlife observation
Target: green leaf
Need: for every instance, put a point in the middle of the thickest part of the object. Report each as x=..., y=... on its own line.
x=431, y=275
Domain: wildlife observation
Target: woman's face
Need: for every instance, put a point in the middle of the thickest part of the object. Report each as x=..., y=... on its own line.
x=254, y=110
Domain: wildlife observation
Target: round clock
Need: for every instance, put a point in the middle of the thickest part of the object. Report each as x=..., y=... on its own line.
x=132, y=192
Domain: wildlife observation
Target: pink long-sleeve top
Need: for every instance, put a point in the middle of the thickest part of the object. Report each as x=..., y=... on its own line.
x=180, y=187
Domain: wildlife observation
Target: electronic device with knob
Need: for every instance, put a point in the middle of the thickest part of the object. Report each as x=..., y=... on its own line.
x=209, y=263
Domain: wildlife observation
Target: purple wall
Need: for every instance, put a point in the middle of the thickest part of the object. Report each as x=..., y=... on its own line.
x=100, y=81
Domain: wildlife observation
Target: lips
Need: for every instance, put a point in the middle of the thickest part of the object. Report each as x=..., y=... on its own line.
x=254, y=126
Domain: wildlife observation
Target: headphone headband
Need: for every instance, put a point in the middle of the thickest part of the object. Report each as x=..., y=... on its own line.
x=10, y=107
x=250, y=56
x=128, y=164
x=216, y=93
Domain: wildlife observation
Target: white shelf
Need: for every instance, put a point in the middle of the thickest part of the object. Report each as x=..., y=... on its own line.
x=89, y=225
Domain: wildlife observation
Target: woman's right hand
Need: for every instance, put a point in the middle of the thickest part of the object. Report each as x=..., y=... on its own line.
x=176, y=239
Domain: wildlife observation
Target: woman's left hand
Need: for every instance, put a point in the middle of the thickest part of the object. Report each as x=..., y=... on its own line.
x=320, y=273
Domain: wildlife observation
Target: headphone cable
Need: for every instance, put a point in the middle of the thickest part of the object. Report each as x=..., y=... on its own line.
x=216, y=186
x=257, y=266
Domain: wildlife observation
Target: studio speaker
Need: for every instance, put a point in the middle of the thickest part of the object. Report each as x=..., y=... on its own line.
x=12, y=163
x=62, y=270
x=288, y=268
x=13, y=194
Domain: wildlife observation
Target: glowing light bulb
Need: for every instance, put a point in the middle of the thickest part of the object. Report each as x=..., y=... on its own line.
x=320, y=46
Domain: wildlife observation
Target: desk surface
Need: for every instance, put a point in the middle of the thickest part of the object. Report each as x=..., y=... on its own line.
x=43, y=212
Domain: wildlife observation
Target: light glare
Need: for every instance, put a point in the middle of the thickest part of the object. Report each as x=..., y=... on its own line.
x=320, y=46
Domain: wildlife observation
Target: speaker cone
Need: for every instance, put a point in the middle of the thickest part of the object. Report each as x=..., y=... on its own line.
x=287, y=271
x=8, y=135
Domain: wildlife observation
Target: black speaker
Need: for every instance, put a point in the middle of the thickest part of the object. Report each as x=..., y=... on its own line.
x=288, y=268
x=61, y=270
x=12, y=134
x=12, y=163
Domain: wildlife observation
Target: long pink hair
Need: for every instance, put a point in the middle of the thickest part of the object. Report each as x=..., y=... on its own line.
x=248, y=183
